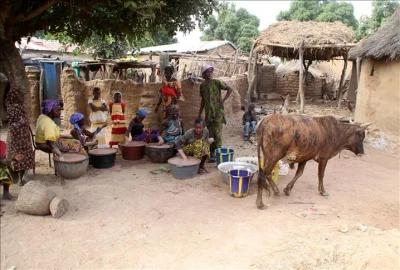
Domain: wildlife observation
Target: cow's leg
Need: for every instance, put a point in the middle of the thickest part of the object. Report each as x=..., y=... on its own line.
x=273, y=185
x=299, y=173
x=321, y=171
x=260, y=187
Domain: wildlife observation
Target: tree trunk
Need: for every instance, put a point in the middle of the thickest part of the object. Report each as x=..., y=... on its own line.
x=342, y=79
x=12, y=67
x=301, y=77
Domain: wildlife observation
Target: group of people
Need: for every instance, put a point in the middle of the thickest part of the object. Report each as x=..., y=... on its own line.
x=199, y=141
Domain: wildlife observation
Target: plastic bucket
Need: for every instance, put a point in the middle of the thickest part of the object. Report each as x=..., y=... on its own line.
x=239, y=183
x=224, y=155
x=254, y=160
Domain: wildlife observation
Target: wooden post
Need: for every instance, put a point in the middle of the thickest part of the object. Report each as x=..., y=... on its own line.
x=258, y=80
x=342, y=79
x=250, y=73
x=301, y=77
x=305, y=78
x=253, y=84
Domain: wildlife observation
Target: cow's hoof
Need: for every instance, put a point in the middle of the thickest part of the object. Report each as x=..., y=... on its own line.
x=287, y=191
x=324, y=193
x=261, y=206
x=276, y=192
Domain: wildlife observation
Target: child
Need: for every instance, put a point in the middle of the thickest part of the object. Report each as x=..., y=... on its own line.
x=136, y=126
x=98, y=117
x=5, y=175
x=249, y=118
x=117, y=111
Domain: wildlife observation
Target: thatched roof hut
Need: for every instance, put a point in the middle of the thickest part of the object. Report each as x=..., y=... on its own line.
x=295, y=66
x=384, y=44
x=322, y=40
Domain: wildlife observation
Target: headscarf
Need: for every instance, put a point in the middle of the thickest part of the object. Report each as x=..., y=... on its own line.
x=48, y=105
x=169, y=68
x=74, y=119
x=207, y=67
x=141, y=112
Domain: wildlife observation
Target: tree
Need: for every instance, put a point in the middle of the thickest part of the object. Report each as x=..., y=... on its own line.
x=237, y=26
x=382, y=11
x=323, y=11
x=82, y=19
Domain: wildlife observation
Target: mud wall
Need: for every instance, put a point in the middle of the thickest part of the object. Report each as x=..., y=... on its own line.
x=289, y=85
x=75, y=94
x=267, y=79
x=378, y=95
x=34, y=87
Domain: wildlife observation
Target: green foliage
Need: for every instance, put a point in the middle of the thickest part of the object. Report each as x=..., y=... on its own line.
x=323, y=11
x=382, y=11
x=237, y=26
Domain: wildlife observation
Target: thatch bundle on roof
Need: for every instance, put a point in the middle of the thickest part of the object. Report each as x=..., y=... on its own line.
x=322, y=40
x=385, y=43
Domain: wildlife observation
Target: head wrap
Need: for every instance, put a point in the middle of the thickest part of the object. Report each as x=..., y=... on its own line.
x=169, y=68
x=3, y=149
x=14, y=97
x=141, y=112
x=74, y=119
x=207, y=67
x=48, y=105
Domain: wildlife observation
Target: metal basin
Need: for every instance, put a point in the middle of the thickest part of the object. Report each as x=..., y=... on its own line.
x=73, y=166
x=225, y=167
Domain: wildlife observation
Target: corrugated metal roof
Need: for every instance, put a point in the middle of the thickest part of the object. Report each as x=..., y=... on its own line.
x=186, y=47
x=37, y=44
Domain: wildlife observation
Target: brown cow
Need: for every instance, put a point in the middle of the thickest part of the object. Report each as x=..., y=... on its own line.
x=299, y=138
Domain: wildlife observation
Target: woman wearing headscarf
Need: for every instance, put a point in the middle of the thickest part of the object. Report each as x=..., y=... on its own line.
x=19, y=137
x=170, y=93
x=136, y=131
x=171, y=129
x=80, y=133
x=47, y=134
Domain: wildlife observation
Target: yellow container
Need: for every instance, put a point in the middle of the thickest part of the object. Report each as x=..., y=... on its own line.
x=275, y=171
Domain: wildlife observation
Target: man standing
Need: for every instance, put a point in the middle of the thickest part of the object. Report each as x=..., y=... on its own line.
x=211, y=101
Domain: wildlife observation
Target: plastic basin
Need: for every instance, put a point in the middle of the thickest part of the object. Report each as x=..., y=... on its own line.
x=103, y=158
x=72, y=166
x=254, y=160
x=224, y=155
x=225, y=167
x=184, y=171
x=133, y=150
x=159, y=153
x=239, y=183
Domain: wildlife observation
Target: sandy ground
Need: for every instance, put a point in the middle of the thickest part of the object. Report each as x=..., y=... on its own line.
x=127, y=217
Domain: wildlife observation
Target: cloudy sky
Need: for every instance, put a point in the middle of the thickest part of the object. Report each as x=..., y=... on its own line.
x=267, y=11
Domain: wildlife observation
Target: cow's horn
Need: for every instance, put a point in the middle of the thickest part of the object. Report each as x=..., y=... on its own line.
x=365, y=125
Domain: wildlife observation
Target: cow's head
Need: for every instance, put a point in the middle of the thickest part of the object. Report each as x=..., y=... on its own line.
x=356, y=137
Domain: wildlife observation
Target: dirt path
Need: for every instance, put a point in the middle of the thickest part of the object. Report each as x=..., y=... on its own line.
x=129, y=218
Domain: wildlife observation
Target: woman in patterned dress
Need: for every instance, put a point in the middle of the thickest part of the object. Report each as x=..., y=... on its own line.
x=171, y=129
x=19, y=137
x=170, y=93
x=98, y=117
x=117, y=112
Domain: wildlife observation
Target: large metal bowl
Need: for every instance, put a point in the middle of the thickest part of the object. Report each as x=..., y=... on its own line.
x=225, y=167
x=73, y=166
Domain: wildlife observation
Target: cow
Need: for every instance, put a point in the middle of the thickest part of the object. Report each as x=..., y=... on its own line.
x=298, y=139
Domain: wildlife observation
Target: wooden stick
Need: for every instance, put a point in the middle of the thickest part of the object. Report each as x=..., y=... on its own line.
x=301, y=77
x=342, y=78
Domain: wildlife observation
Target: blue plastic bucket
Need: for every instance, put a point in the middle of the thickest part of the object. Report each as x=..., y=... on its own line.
x=224, y=155
x=239, y=183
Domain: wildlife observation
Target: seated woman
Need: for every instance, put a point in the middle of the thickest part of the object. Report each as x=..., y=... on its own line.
x=171, y=129
x=47, y=134
x=82, y=134
x=136, y=126
x=196, y=143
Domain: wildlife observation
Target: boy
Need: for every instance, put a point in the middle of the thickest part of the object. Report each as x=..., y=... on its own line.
x=249, y=118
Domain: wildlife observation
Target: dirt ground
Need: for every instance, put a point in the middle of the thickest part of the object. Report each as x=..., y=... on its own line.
x=127, y=217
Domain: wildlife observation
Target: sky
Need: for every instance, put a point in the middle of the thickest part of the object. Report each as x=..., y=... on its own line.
x=267, y=11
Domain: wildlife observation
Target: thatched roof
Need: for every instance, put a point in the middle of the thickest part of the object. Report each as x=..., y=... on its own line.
x=385, y=43
x=322, y=40
x=294, y=66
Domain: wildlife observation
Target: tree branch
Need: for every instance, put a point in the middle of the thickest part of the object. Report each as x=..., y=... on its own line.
x=36, y=12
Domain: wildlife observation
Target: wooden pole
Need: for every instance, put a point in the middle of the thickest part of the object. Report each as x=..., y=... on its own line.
x=342, y=79
x=306, y=78
x=250, y=74
x=301, y=77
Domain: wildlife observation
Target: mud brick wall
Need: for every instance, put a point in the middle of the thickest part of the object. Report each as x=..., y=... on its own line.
x=289, y=85
x=267, y=79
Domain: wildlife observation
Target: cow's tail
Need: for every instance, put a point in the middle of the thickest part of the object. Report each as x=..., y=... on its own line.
x=261, y=174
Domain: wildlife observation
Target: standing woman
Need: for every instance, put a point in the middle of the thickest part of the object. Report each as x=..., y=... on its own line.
x=98, y=117
x=170, y=93
x=19, y=137
x=117, y=112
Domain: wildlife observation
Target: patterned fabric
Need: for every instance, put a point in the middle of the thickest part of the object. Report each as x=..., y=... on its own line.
x=148, y=136
x=48, y=105
x=68, y=145
x=173, y=133
x=46, y=130
x=5, y=175
x=171, y=93
x=214, y=110
x=118, y=129
x=197, y=149
x=74, y=119
x=19, y=136
x=189, y=136
x=3, y=149
x=98, y=119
